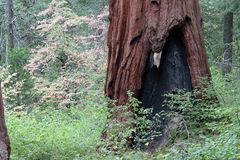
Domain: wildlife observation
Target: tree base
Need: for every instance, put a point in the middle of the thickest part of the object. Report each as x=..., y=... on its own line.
x=172, y=74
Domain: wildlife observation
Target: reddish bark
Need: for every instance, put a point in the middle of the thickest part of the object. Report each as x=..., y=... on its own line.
x=138, y=28
x=4, y=139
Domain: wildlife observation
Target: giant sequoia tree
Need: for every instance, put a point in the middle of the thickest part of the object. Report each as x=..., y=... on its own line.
x=155, y=46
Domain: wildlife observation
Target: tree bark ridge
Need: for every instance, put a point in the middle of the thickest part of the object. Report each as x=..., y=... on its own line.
x=138, y=28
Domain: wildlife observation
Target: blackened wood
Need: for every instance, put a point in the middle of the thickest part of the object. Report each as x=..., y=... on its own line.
x=172, y=74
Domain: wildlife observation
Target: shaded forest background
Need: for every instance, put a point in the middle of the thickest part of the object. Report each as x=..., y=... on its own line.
x=54, y=76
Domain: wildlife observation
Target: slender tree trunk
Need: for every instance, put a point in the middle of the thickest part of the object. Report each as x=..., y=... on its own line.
x=238, y=45
x=9, y=29
x=228, y=39
x=138, y=31
x=4, y=139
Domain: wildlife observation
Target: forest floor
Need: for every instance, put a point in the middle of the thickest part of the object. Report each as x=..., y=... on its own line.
x=68, y=67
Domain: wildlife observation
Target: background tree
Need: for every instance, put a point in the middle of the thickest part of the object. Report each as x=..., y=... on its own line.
x=4, y=139
x=9, y=28
x=228, y=40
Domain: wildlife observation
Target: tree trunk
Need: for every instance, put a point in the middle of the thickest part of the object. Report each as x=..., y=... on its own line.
x=141, y=32
x=228, y=39
x=9, y=28
x=4, y=139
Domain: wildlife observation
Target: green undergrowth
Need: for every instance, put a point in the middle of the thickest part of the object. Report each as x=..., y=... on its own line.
x=56, y=134
x=75, y=132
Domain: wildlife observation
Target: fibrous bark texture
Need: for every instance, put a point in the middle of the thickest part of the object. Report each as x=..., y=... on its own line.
x=141, y=27
x=228, y=39
x=4, y=139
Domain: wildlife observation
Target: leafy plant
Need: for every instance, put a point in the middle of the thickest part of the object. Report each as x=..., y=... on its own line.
x=18, y=84
x=130, y=127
